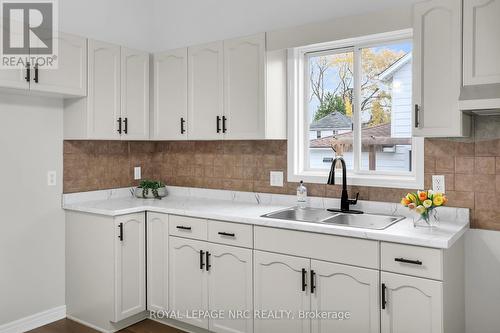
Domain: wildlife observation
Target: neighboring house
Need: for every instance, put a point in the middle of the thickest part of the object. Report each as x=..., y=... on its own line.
x=398, y=76
x=384, y=147
x=332, y=124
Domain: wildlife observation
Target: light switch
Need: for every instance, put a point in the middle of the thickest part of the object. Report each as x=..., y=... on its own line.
x=137, y=173
x=51, y=178
x=276, y=178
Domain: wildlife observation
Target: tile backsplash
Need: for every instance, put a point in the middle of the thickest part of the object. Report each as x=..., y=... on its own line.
x=471, y=168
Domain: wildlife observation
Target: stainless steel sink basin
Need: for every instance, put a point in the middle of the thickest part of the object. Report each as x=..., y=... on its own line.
x=368, y=221
x=322, y=216
x=301, y=214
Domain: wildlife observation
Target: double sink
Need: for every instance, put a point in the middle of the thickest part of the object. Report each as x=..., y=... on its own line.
x=323, y=216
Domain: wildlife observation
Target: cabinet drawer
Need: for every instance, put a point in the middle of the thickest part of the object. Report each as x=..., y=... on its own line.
x=230, y=233
x=189, y=227
x=412, y=260
x=344, y=250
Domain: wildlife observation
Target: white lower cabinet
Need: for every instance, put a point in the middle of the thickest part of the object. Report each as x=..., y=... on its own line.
x=306, y=286
x=227, y=277
x=157, y=260
x=130, y=274
x=279, y=284
x=105, y=269
x=230, y=288
x=188, y=281
x=345, y=288
x=411, y=305
x=210, y=277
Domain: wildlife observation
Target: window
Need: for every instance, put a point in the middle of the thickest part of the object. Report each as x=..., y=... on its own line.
x=352, y=98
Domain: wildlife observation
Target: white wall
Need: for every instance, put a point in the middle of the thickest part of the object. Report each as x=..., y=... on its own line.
x=32, y=221
x=157, y=25
x=179, y=23
x=125, y=22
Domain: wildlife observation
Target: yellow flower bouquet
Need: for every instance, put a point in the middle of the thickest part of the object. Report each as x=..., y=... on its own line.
x=424, y=203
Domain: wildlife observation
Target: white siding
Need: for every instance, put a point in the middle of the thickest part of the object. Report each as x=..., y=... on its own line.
x=401, y=102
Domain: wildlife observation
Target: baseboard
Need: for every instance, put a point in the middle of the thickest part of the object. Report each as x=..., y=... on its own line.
x=34, y=321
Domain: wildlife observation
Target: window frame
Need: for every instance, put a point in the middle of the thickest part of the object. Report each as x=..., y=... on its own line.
x=298, y=125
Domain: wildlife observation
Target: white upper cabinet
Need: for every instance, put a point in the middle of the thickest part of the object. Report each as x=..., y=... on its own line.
x=232, y=90
x=70, y=77
x=117, y=104
x=244, y=87
x=14, y=78
x=130, y=266
x=349, y=288
x=135, y=94
x=437, y=70
x=230, y=287
x=411, y=305
x=481, y=42
x=280, y=284
x=205, y=91
x=170, y=95
x=104, y=91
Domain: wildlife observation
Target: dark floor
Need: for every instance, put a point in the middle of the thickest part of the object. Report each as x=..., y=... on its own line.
x=69, y=326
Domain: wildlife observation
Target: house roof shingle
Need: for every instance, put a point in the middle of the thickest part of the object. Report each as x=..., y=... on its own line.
x=334, y=120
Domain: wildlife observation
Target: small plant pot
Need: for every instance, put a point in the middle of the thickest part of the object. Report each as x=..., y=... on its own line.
x=148, y=193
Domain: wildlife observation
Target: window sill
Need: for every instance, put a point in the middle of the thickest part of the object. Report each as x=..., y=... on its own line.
x=388, y=181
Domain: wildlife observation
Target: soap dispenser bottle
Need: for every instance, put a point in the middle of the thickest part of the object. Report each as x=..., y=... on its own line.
x=301, y=195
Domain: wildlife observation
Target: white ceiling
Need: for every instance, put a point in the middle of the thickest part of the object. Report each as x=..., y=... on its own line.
x=164, y=24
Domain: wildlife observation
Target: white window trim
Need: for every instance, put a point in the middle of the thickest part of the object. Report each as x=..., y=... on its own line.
x=298, y=127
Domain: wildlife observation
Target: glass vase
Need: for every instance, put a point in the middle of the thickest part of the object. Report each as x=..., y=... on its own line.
x=428, y=220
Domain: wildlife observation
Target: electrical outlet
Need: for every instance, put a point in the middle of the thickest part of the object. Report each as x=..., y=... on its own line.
x=276, y=178
x=438, y=185
x=137, y=173
x=51, y=178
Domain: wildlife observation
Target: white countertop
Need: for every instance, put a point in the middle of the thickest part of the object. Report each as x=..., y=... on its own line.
x=248, y=208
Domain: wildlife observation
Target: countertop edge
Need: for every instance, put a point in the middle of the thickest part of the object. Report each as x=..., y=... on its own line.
x=375, y=235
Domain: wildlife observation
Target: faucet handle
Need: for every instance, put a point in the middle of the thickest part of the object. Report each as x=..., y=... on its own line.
x=354, y=201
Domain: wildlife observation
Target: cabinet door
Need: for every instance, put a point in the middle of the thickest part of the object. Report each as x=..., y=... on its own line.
x=70, y=77
x=14, y=78
x=413, y=305
x=130, y=266
x=481, y=41
x=188, y=284
x=170, y=95
x=205, y=91
x=157, y=259
x=278, y=286
x=230, y=287
x=244, y=109
x=437, y=69
x=345, y=288
x=135, y=94
x=104, y=90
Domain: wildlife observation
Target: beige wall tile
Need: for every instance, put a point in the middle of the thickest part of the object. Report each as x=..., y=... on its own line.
x=469, y=169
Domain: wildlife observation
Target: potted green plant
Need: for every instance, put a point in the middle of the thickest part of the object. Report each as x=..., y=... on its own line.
x=151, y=189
